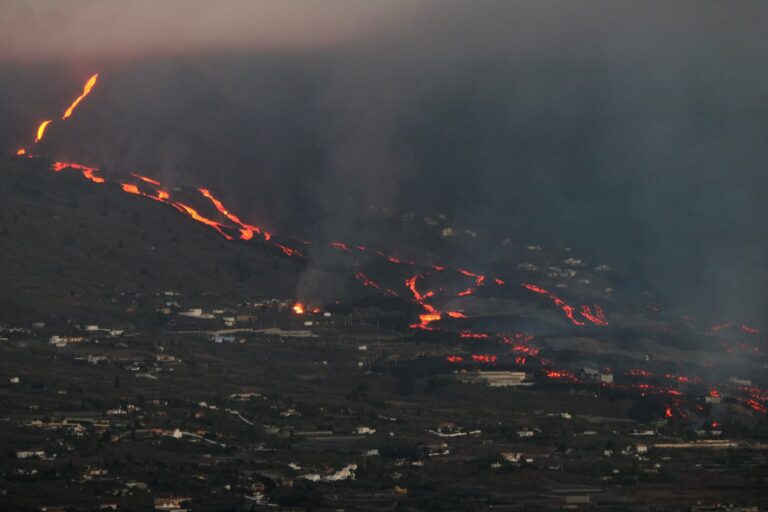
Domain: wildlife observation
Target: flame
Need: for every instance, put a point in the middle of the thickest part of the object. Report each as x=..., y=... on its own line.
x=298, y=308
x=21, y=152
x=86, y=90
x=41, y=130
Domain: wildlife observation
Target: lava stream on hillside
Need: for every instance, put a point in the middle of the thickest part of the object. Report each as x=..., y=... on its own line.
x=430, y=287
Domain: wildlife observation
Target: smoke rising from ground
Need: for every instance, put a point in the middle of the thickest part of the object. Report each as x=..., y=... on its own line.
x=634, y=135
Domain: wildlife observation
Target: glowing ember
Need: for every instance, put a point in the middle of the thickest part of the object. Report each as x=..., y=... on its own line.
x=86, y=90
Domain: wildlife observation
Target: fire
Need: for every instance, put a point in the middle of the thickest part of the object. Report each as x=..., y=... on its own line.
x=21, y=152
x=86, y=90
x=298, y=308
x=41, y=130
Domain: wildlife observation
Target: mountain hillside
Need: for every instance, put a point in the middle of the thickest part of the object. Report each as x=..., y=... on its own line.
x=67, y=245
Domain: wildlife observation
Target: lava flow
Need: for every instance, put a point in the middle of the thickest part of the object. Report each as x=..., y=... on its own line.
x=89, y=173
x=597, y=317
x=420, y=289
x=41, y=130
x=42, y=126
x=86, y=91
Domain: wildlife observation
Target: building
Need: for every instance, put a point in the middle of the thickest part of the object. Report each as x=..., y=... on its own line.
x=494, y=378
x=594, y=375
x=174, y=504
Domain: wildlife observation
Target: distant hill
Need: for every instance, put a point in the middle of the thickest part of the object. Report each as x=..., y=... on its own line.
x=68, y=245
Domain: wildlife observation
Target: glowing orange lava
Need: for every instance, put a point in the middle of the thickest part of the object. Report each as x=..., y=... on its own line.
x=86, y=90
x=148, y=180
x=41, y=130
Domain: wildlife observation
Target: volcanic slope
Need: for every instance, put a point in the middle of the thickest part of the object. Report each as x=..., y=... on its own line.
x=68, y=246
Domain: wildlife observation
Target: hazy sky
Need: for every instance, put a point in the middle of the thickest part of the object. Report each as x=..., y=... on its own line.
x=67, y=29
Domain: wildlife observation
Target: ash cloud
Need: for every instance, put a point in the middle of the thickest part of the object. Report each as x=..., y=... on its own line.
x=633, y=134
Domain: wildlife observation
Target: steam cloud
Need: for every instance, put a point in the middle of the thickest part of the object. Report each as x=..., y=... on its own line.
x=633, y=134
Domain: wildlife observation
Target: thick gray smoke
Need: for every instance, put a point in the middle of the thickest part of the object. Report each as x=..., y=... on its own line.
x=636, y=135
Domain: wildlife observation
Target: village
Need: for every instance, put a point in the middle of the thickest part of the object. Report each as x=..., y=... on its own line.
x=251, y=406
